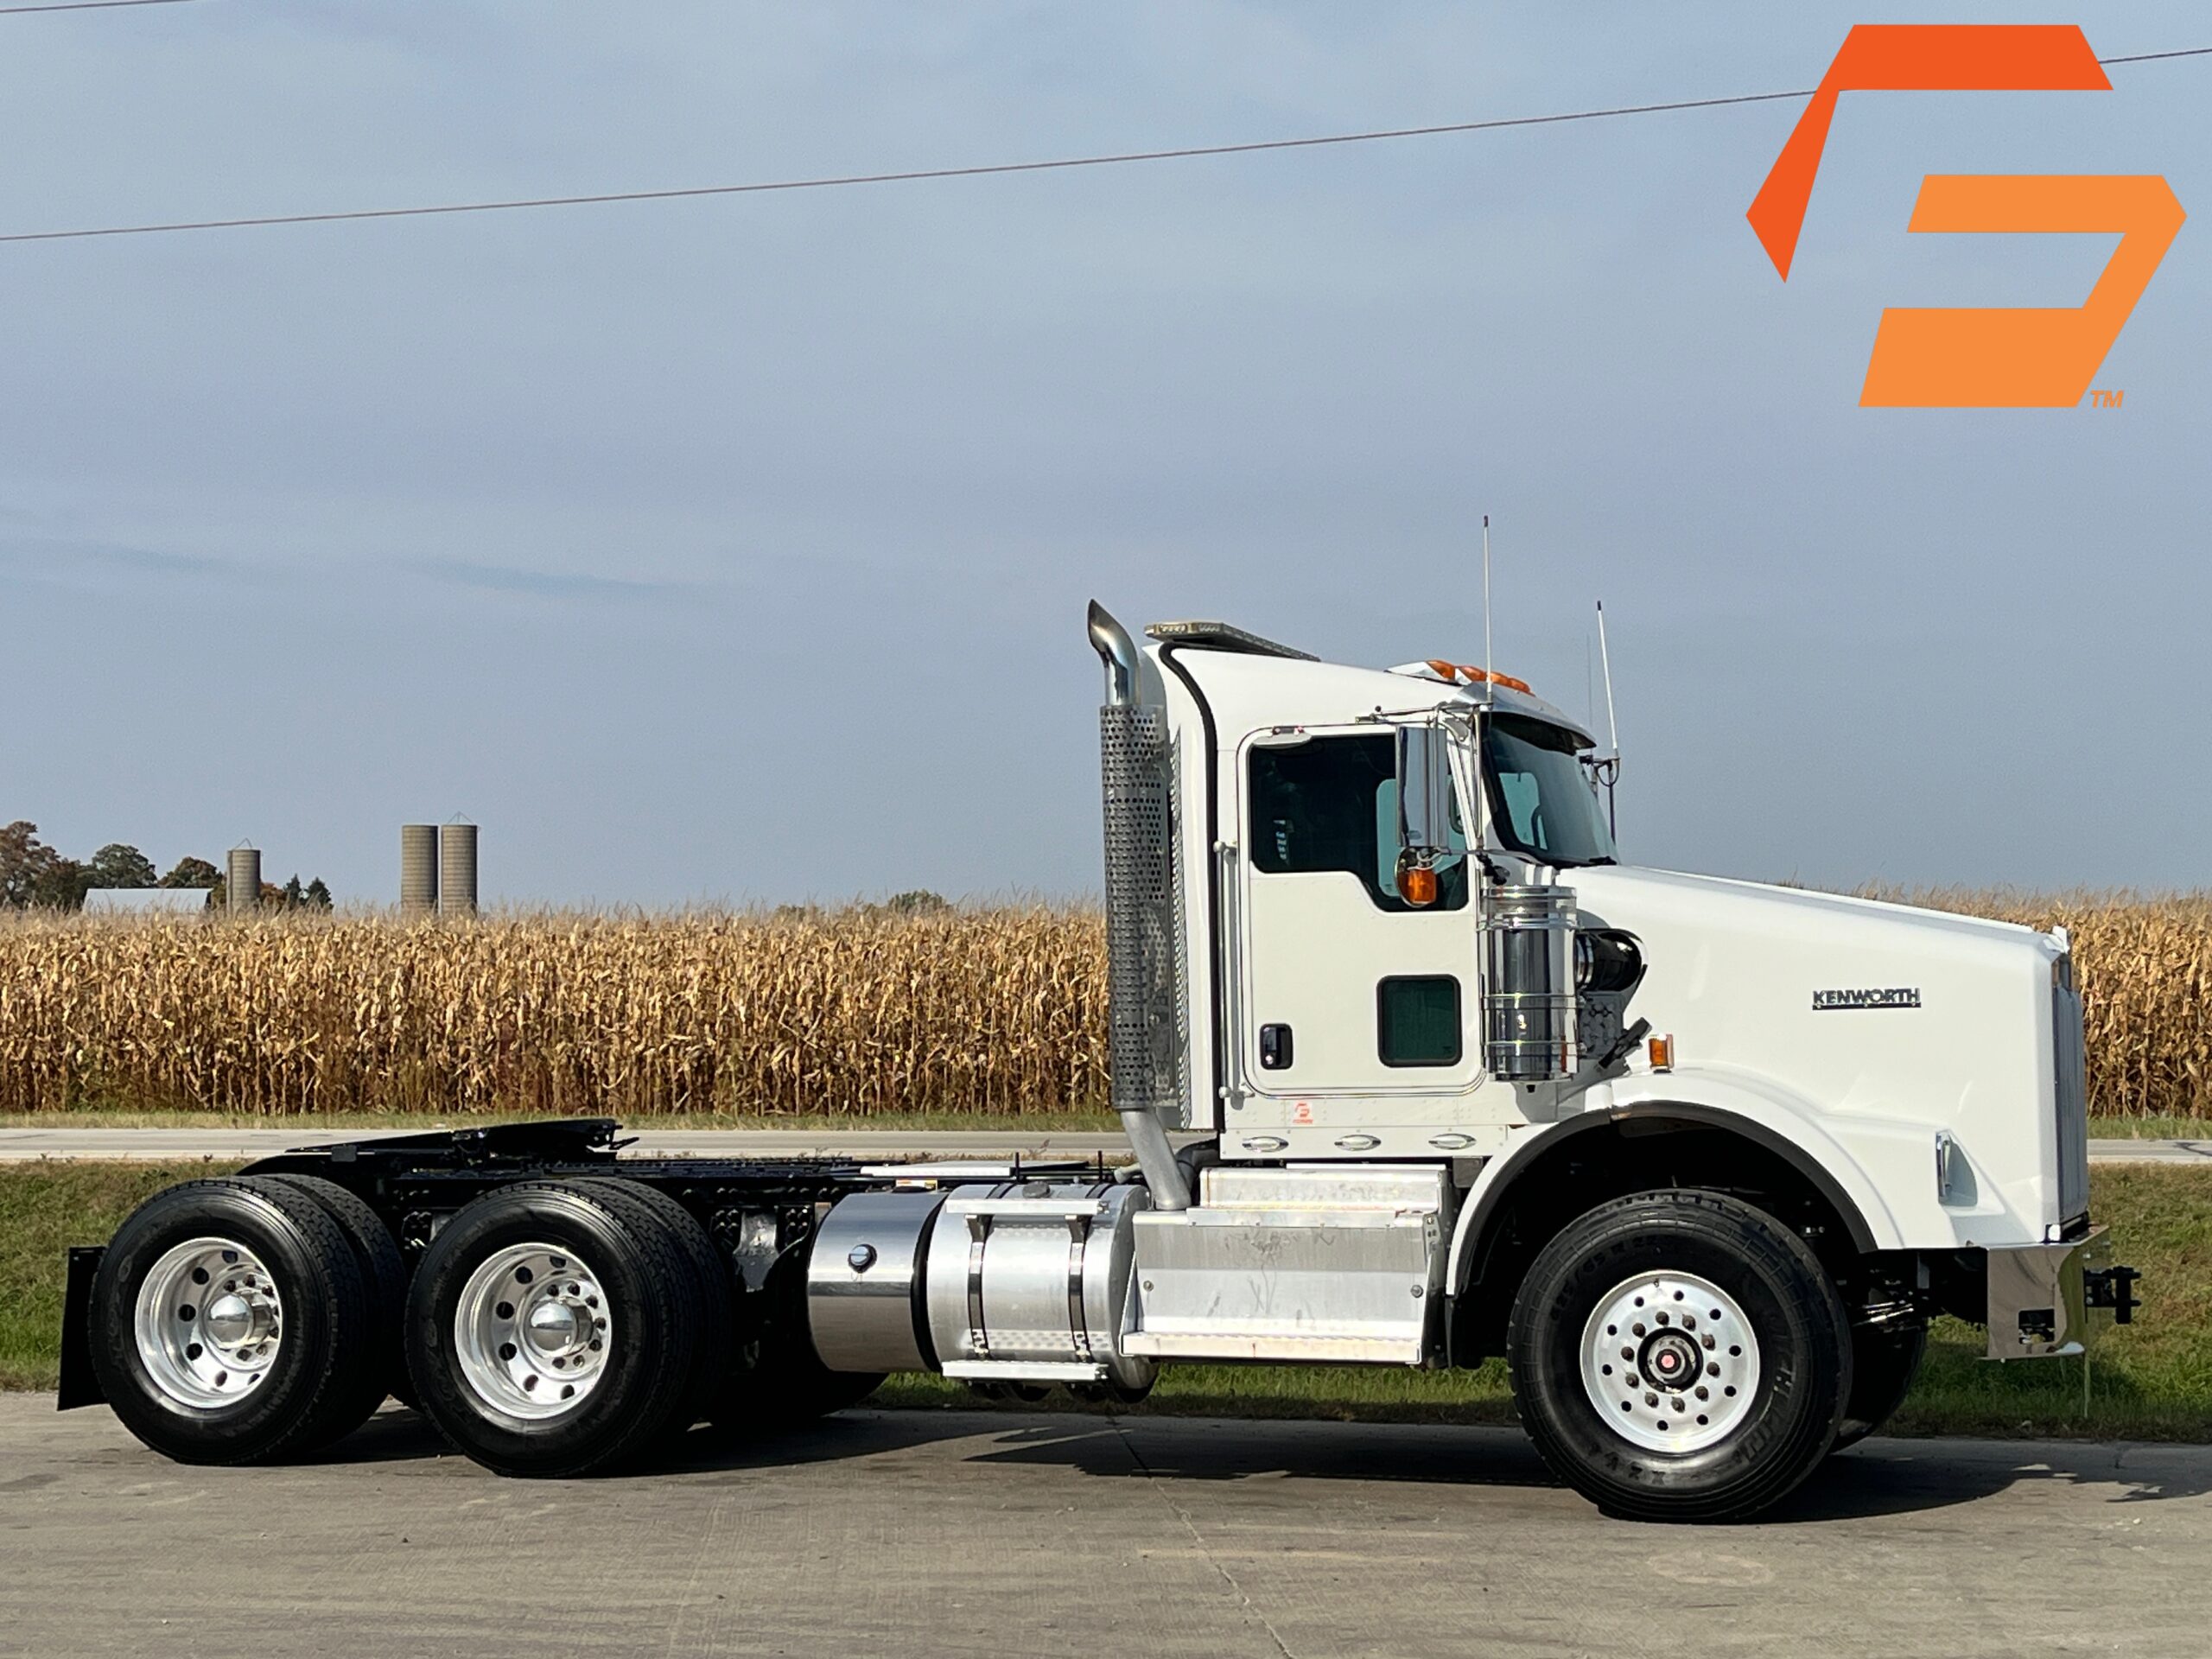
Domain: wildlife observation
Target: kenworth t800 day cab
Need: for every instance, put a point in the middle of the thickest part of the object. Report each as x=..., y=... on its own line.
x=1414, y=1070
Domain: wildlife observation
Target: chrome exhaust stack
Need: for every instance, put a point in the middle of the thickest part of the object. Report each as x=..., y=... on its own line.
x=1144, y=977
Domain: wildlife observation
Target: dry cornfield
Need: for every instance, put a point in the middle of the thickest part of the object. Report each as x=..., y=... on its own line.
x=994, y=1011
x=984, y=1011
x=2144, y=963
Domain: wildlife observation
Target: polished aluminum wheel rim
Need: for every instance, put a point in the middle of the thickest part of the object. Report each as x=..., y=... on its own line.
x=1670, y=1361
x=209, y=1323
x=532, y=1331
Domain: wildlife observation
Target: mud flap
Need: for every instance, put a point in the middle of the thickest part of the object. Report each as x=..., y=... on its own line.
x=80, y=1386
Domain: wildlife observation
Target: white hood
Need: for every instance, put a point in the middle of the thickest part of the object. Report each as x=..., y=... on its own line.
x=1894, y=1017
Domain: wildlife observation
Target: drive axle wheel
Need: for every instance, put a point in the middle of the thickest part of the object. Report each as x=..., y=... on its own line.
x=1680, y=1356
x=230, y=1323
x=383, y=1280
x=531, y=1331
x=552, y=1329
x=783, y=1381
x=209, y=1322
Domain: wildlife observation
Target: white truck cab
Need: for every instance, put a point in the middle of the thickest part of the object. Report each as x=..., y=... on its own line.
x=1473, y=1084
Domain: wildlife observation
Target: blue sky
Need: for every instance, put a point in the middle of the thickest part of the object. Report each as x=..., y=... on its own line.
x=737, y=548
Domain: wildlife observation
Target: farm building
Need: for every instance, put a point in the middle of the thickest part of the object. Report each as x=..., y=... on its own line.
x=146, y=901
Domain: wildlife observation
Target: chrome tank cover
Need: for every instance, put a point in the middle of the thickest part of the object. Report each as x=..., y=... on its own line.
x=864, y=1283
x=1030, y=1281
x=1010, y=1280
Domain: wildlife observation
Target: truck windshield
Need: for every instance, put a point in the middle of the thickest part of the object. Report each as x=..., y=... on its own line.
x=1541, y=799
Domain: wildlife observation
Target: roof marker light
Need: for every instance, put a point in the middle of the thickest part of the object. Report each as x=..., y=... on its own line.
x=1477, y=677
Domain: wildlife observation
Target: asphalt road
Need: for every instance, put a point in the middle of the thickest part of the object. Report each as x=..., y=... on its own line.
x=181, y=1145
x=1026, y=1534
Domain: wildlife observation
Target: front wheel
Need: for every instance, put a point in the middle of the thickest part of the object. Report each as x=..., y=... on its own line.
x=1680, y=1356
x=1885, y=1360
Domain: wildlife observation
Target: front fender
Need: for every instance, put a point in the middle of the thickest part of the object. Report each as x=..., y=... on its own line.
x=1768, y=1117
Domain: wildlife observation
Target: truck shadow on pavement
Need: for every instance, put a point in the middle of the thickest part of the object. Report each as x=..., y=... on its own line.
x=1874, y=1478
x=1881, y=1478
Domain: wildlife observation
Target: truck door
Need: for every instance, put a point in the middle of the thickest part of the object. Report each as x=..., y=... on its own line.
x=1355, y=1007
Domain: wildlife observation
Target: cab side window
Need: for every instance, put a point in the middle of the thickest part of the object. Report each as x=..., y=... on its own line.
x=1331, y=804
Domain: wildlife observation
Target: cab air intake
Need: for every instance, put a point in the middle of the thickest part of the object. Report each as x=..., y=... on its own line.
x=1529, y=1014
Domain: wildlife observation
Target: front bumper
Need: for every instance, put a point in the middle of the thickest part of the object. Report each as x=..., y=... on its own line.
x=2047, y=1299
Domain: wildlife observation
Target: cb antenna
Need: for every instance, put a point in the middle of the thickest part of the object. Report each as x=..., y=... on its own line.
x=1609, y=769
x=1490, y=692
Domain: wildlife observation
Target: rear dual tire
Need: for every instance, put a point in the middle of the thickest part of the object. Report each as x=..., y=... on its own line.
x=238, y=1321
x=551, y=1328
x=779, y=1380
x=558, y=1328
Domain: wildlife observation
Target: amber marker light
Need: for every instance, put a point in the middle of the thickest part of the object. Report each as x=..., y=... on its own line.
x=1417, y=885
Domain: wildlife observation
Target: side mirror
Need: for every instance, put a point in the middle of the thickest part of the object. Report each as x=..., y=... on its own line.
x=1424, y=811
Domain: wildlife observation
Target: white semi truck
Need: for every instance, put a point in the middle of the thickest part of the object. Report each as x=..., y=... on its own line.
x=1415, y=1072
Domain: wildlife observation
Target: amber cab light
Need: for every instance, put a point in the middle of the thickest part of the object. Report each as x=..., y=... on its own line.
x=1662, y=1053
x=1479, y=675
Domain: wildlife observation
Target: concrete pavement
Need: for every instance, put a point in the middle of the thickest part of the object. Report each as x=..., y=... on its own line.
x=181, y=1146
x=933, y=1534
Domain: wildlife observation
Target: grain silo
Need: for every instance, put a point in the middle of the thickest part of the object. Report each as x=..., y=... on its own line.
x=242, y=879
x=457, y=868
x=419, y=869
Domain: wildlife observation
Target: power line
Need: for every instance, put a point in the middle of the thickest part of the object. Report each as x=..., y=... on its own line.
x=917, y=175
x=89, y=5
x=911, y=175
x=2153, y=57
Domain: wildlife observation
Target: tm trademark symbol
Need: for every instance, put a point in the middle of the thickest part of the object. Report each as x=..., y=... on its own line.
x=2105, y=399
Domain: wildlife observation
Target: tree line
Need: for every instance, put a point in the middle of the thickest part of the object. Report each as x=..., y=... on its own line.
x=35, y=876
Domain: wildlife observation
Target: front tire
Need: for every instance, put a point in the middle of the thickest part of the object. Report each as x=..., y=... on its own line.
x=1885, y=1360
x=1680, y=1356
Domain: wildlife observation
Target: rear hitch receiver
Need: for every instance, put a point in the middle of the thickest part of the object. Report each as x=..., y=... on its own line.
x=2113, y=1287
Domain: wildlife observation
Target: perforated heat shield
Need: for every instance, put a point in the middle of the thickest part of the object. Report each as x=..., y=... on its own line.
x=1143, y=959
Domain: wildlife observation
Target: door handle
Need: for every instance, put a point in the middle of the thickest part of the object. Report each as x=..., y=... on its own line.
x=1275, y=1048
